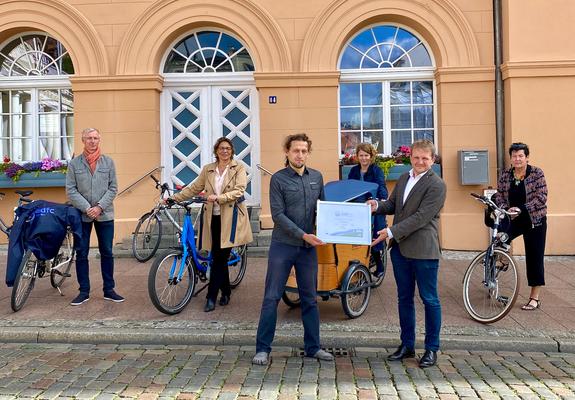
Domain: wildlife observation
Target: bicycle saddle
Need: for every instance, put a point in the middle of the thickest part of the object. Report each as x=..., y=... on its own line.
x=24, y=193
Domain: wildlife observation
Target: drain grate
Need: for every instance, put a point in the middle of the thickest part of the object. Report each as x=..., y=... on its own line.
x=336, y=351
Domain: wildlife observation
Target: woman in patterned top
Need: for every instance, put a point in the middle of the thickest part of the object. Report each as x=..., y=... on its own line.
x=522, y=188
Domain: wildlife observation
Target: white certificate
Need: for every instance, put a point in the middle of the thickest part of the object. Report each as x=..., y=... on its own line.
x=346, y=223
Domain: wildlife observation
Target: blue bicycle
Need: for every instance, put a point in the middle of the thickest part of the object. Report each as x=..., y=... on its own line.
x=175, y=272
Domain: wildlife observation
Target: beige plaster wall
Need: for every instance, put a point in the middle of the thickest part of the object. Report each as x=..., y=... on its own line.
x=129, y=123
x=541, y=114
x=466, y=122
x=117, y=47
x=304, y=104
x=539, y=30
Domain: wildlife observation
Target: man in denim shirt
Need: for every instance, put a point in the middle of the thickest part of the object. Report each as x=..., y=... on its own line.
x=294, y=192
x=91, y=187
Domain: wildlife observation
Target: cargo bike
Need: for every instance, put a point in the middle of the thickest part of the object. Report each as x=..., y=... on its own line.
x=345, y=271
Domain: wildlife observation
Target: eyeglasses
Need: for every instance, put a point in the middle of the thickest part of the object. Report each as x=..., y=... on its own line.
x=224, y=149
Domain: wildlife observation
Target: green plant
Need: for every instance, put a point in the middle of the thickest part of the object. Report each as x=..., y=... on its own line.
x=385, y=165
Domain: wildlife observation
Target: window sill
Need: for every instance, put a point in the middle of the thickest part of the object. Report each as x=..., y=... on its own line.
x=394, y=173
x=30, y=180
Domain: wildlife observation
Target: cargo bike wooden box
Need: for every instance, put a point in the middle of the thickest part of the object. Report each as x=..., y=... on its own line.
x=344, y=270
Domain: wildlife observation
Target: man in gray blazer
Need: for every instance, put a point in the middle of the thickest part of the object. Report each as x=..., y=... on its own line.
x=91, y=187
x=415, y=202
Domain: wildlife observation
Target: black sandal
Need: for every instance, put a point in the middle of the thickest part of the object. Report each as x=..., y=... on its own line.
x=531, y=307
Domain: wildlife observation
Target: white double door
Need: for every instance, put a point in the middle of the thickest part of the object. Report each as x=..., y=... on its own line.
x=193, y=118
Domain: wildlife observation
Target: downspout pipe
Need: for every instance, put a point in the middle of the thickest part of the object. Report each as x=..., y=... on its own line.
x=499, y=90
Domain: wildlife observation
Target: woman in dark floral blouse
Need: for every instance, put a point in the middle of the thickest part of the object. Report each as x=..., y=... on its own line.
x=523, y=188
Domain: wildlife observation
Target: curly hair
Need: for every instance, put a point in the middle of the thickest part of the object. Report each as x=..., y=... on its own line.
x=298, y=137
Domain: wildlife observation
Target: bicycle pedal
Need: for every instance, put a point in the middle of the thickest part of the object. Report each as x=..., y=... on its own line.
x=503, y=299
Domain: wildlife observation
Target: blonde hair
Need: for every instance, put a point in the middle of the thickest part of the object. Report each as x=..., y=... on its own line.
x=87, y=131
x=424, y=144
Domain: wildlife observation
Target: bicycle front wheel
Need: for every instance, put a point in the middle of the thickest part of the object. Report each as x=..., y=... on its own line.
x=168, y=294
x=147, y=236
x=488, y=302
x=24, y=282
x=62, y=263
x=237, y=265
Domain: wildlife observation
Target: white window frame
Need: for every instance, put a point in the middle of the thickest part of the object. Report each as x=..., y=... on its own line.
x=209, y=82
x=386, y=76
x=34, y=84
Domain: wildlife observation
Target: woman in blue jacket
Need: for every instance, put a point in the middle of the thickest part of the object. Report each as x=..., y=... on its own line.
x=367, y=171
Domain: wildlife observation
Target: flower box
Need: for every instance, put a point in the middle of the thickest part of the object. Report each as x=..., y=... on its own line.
x=33, y=179
x=394, y=172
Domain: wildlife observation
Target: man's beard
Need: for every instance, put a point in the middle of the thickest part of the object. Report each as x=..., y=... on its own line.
x=296, y=166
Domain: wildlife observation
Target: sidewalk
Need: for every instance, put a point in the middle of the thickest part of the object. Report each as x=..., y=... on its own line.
x=48, y=317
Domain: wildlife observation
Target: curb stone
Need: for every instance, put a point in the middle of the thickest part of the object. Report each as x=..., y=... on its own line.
x=289, y=338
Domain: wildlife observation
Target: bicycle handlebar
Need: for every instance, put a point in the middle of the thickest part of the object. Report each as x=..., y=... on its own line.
x=488, y=202
x=194, y=200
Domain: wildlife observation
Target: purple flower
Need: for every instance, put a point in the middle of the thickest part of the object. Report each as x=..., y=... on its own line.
x=12, y=170
x=32, y=166
x=48, y=164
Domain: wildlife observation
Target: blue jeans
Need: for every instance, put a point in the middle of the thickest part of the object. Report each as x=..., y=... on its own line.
x=408, y=272
x=105, y=234
x=282, y=258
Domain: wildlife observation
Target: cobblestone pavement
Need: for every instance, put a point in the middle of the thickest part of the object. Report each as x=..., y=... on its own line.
x=46, y=371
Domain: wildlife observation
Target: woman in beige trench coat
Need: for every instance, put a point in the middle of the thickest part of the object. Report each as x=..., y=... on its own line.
x=223, y=184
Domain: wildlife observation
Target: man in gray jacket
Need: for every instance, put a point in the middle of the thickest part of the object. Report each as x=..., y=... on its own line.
x=91, y=187
x=415, y=202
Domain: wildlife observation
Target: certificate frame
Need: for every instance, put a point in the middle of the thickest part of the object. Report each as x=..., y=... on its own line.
x=344, y=223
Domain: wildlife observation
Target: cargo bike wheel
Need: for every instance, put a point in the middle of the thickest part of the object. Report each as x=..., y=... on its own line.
x=169, y=294
x=291, y=298
x=373, y=265
x=356, y=290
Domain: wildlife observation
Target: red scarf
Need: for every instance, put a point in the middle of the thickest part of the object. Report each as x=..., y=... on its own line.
x=92, y=158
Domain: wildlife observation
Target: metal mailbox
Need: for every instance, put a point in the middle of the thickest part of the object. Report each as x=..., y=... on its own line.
x=473, y=167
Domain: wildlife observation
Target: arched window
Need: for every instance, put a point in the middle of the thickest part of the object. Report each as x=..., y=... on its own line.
x=208, y=51
x=209, y=92
x=36, y=100
x=386, y=93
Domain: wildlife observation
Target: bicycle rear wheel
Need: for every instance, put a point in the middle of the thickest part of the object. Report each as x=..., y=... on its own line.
x=237, y=270
x=62, y=263
x=24, y=282
x=169, y=295
x=147, y=236
x=487, y=303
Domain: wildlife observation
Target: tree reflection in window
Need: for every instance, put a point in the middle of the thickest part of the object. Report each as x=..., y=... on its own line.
x=208, y=51
x=35, y=55
x=386, y=94
x=36, y=121
x=385, y=47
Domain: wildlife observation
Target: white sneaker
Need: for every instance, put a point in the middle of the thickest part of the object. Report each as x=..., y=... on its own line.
x=322, y=355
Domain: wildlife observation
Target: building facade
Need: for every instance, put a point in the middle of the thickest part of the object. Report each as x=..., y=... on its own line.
x=162, y=80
